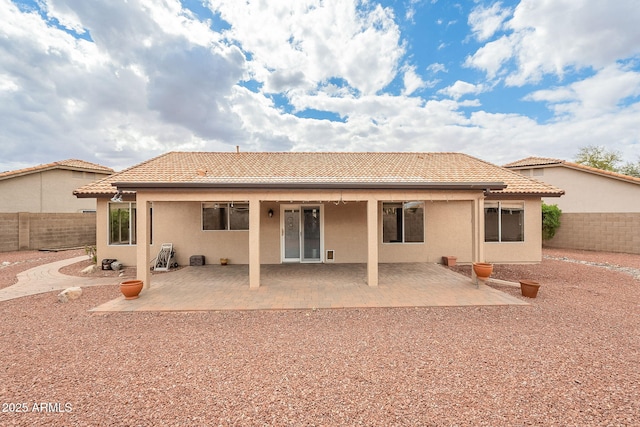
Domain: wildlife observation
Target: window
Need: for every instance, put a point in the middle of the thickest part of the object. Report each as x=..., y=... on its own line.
x=403, y=222
x=504, y=222
x=122, y=223
x=225, y=216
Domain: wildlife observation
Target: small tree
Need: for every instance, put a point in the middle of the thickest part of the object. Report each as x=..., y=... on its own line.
x=631, y=169
x=550, y=220
x=598, y=157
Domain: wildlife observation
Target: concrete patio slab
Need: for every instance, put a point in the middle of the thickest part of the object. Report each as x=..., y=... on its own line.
x=309, y=286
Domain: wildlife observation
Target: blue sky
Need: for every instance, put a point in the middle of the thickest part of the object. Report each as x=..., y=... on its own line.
x=118, y=82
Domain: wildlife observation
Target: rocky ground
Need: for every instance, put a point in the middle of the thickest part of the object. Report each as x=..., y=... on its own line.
x=570, y=358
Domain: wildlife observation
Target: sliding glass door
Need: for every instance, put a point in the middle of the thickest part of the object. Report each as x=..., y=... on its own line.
x=301, y=233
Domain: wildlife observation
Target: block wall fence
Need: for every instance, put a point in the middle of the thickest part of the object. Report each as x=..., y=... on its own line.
x=608, y=232
x=34, y=231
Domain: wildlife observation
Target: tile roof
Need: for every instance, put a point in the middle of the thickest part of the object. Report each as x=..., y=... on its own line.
x=70, y=164
x=211, y=168
x=533, y=161
x=538, y=162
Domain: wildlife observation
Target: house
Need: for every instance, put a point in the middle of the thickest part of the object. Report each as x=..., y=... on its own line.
x=38, y=209
x=271, y=208
x=600, y=210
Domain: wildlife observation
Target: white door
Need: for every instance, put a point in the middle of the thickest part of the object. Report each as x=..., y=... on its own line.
x=301, y=233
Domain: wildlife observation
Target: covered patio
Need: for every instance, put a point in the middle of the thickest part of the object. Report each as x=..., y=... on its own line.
x=309, y=286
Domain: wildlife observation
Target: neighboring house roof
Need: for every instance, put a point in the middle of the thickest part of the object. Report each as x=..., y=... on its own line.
x=317, y=170
x=70, y=164
x=541, y=162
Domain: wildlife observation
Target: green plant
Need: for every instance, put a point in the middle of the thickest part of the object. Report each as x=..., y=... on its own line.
x=92, y=253
x=550, y=220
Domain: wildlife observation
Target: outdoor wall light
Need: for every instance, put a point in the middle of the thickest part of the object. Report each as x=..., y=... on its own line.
x=270, y=213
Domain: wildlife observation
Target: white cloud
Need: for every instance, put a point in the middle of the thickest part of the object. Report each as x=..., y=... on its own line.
x=161, y=80
x=485, y=21
x=137, y=83
x=436, y=68
x=553, y=37
x=460, y=89
x=319, y=40
x=412, y=81
x=600, y=94
x=491, y=57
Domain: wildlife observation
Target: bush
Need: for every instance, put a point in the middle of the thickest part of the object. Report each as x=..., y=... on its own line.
x=91, y=253
x=550, y=220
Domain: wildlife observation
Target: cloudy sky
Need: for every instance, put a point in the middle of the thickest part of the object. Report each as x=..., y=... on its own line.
x=117, y=82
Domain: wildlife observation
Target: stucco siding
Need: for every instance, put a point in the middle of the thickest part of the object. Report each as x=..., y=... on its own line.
x=123, y=253
x=448, y=230
x=589, y=193
x=46, y=192
x=345, y=231
x=180, y=223
x=528, y=251
x=21, y=194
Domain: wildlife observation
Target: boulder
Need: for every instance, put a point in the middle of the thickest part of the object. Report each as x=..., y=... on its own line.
x=70, y=294
x=90, y=269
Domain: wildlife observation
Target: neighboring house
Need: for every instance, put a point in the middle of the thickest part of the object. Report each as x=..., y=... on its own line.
x=600, y=210
x=38, y=209
x=271, y=208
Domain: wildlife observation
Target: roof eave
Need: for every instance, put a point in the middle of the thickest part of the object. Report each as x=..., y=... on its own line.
x=501, y=195
x=318, y=185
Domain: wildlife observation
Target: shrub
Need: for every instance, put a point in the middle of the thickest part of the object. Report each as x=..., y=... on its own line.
x=91, y=253
x=550, y=220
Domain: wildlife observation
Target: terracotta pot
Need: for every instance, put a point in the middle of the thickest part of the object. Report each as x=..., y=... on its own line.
x=449, y=260
x=483, y=270
x=131, y=288
x=529, y=288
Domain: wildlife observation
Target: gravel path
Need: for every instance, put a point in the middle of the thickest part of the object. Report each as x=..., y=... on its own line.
x=571, y=358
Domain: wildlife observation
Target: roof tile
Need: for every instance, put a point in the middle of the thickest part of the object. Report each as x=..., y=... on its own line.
x=538, y=162
x=72, y=164
x=201, y=168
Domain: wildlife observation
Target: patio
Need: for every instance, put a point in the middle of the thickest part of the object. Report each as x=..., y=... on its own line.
x=308, y=286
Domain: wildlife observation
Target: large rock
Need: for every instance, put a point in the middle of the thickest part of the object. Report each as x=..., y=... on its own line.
x=70, y=294
x=90, y=269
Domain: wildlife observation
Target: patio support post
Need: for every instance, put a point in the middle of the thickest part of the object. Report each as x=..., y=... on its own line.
x=254, y=242
x=481, y=230
x=478, y=233
x=372, y=242
x=143, y=226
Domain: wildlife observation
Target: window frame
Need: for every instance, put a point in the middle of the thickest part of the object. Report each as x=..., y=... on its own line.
x=132, y=226
x=403, y=206
x=229, y=209
x=499, y=215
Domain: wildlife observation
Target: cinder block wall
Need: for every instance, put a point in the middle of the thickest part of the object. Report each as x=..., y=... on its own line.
x=610, y=232
x=32, y=231
x=8, y=232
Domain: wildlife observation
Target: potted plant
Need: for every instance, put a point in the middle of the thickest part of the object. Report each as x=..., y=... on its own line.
x=483, y=270
x=131, y=288
x=529, y=288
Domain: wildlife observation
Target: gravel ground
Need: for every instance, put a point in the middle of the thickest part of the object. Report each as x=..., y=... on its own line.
x=570, y=358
